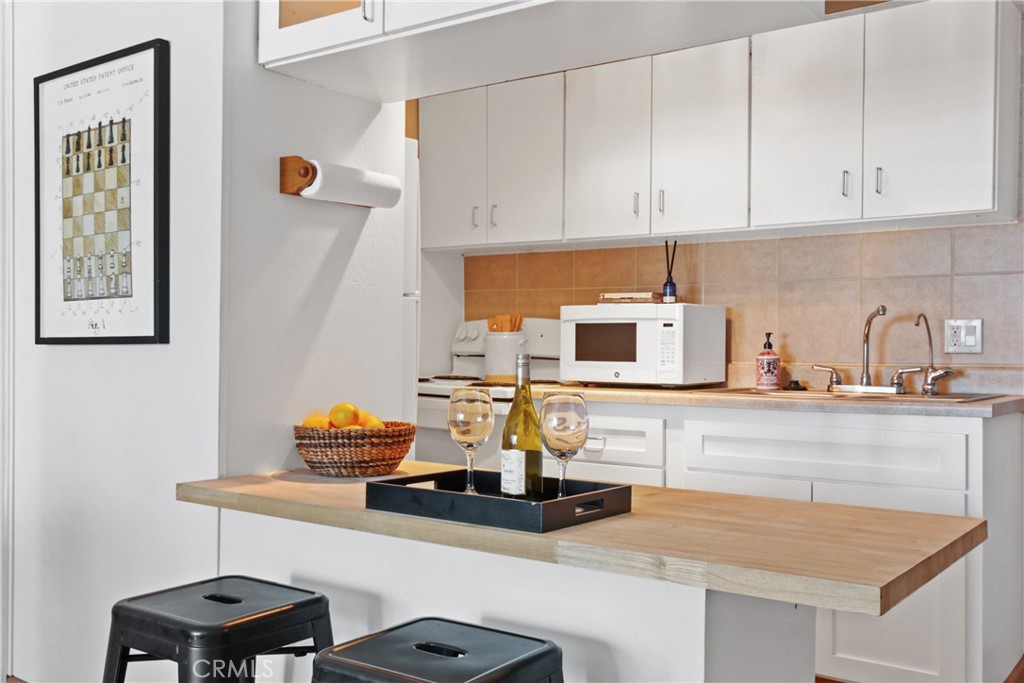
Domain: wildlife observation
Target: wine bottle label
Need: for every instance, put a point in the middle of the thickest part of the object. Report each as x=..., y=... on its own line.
x=513, y=472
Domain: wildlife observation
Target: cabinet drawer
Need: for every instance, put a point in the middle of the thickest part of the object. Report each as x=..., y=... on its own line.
x=790, y=489
x=636, y=441
x=872, y=456
x=616, y=474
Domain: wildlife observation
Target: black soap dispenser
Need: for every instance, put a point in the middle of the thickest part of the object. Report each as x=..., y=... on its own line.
x=767, y=366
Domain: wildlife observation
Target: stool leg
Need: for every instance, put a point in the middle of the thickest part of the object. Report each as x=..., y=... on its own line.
x=323, y=637
x=116, y=665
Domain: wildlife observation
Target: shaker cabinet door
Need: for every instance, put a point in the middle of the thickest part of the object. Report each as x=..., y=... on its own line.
x=699, y=138
x=929, y=109
x=453, y=169
x=608, y=150
x=806, y=101
x=524, y=160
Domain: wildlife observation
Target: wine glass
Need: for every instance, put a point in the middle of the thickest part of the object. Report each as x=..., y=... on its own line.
x=563, y=429
x=470, y=421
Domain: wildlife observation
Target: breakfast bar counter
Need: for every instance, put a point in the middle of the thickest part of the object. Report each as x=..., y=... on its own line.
x=841, y=557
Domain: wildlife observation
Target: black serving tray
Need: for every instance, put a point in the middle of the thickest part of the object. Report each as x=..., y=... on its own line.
x=585, y=501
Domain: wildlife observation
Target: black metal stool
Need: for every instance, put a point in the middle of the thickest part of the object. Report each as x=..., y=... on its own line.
x=215, y=628
x=440, y=651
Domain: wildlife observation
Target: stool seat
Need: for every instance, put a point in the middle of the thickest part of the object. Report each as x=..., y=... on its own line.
x=215, y=628
x=440, y=651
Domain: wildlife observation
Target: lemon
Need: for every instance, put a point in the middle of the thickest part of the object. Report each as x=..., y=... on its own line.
x=370, y=421
x=317, y=420
x=343, y=415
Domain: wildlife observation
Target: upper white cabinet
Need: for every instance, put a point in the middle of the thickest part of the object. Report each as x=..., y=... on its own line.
x=358, y=21
x=699, y=140
x=400, y=15
x=491, y=164
x=807, y=94
x=905, y=112
x=930, y=97
x=608, y=150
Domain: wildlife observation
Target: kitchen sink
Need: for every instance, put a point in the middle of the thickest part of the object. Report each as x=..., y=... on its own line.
x=815, y=395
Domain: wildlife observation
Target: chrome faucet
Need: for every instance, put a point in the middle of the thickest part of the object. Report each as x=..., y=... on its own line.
x=865, y=373
x=932, y=374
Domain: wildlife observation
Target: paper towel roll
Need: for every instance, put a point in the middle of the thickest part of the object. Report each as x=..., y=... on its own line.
x=336, y=183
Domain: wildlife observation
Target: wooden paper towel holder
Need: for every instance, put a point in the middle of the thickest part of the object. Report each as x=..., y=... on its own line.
x=296, y=175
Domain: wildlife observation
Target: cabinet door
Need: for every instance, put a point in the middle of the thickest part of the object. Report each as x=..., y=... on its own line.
x=929, y=109
x=806, y=100
x=353, y=21
x=699, y=138
x=608, y=150
x=921, y=639
x=525, y=123
x=453, y=168
x=789, y=489
x=406, y=14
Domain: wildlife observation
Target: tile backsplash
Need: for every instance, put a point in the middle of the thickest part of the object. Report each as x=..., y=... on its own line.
x=813, y=293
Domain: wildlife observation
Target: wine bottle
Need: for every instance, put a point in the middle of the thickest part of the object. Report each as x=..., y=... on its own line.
x=520, y=441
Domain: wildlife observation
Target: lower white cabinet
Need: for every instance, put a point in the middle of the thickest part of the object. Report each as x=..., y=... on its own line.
x=953, y=629
x=619, y=449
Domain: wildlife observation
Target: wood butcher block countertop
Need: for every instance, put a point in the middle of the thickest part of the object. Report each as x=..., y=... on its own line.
x=835, y=556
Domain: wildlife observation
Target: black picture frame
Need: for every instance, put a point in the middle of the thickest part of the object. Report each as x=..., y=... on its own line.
x=102, y=199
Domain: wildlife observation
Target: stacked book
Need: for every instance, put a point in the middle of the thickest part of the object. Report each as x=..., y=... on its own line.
x=629, y=298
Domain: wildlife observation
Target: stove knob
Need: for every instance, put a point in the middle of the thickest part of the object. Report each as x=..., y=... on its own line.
x=460, y=335
x=474, y=333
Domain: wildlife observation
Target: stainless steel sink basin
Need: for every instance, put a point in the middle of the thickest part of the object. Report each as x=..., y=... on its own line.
x=811, y=394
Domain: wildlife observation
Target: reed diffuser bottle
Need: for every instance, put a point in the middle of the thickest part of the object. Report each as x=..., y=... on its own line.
x=668, y=290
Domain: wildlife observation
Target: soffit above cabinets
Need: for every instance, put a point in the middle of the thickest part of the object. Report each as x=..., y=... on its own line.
x=544, y=36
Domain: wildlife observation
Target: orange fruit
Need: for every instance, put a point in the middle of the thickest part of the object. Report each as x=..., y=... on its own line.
x=343, y=415
x=317, y=420
x=370, y=421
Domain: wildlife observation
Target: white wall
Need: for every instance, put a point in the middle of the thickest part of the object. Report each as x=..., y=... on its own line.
x=312, y=289
x=102, y=433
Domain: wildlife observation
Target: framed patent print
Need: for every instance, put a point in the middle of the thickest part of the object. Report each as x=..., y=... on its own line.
x=102, y=141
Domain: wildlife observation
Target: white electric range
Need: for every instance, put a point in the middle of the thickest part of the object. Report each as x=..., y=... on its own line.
x=433, y=442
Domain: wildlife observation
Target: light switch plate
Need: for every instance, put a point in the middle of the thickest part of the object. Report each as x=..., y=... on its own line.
x=963, y=335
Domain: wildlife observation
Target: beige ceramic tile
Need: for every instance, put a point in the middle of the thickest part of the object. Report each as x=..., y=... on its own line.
x=999, y=301
x=585, y=297
x=985, y=380
x=751, y=310
x=989, y=249
x=688, y=267
x=829, y=257
x=481, y=304
x=819, y=322
x=612, y=269
x=906, y=252
x=545, y=270
x=543, y=303
x=749, y=261
x=490, y=272
x=740, y=374
x=895, y=340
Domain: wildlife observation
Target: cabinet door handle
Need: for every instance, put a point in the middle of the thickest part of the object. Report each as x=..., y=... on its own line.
x=473, y=219
x=661, y=202
x=363, y=6
x=594, y=444
x=878, y=180
x=636, y=204
x=846, y=183
x=494, y=223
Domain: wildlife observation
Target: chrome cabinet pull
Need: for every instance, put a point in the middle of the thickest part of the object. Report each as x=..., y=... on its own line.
x=661, y=202
x=362, y=6
x=474, y=219
x=494, y=223
x=636, y=204
x=846, y=183
x=878, y=180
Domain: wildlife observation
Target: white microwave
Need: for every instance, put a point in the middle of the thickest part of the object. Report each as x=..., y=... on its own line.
x=662, y=344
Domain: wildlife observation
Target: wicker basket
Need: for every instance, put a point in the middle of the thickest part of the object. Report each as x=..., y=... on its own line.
x=355, y=452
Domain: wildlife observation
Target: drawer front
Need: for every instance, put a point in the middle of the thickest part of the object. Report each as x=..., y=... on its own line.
x=636, y=441
x=872, y=456
x=790, y=489
x=615, y=474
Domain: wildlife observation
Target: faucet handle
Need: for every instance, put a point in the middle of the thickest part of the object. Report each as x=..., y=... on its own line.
x=931, y=377
x=897, y=377
x=834, y=377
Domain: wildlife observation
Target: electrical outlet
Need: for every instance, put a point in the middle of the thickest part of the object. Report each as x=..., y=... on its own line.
x=963, y=336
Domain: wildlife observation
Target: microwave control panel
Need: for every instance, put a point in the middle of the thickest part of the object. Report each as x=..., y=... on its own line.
x=668, y=345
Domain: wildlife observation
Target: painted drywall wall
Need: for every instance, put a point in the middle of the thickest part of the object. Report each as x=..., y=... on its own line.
x=102, y=433
x=312, y=310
